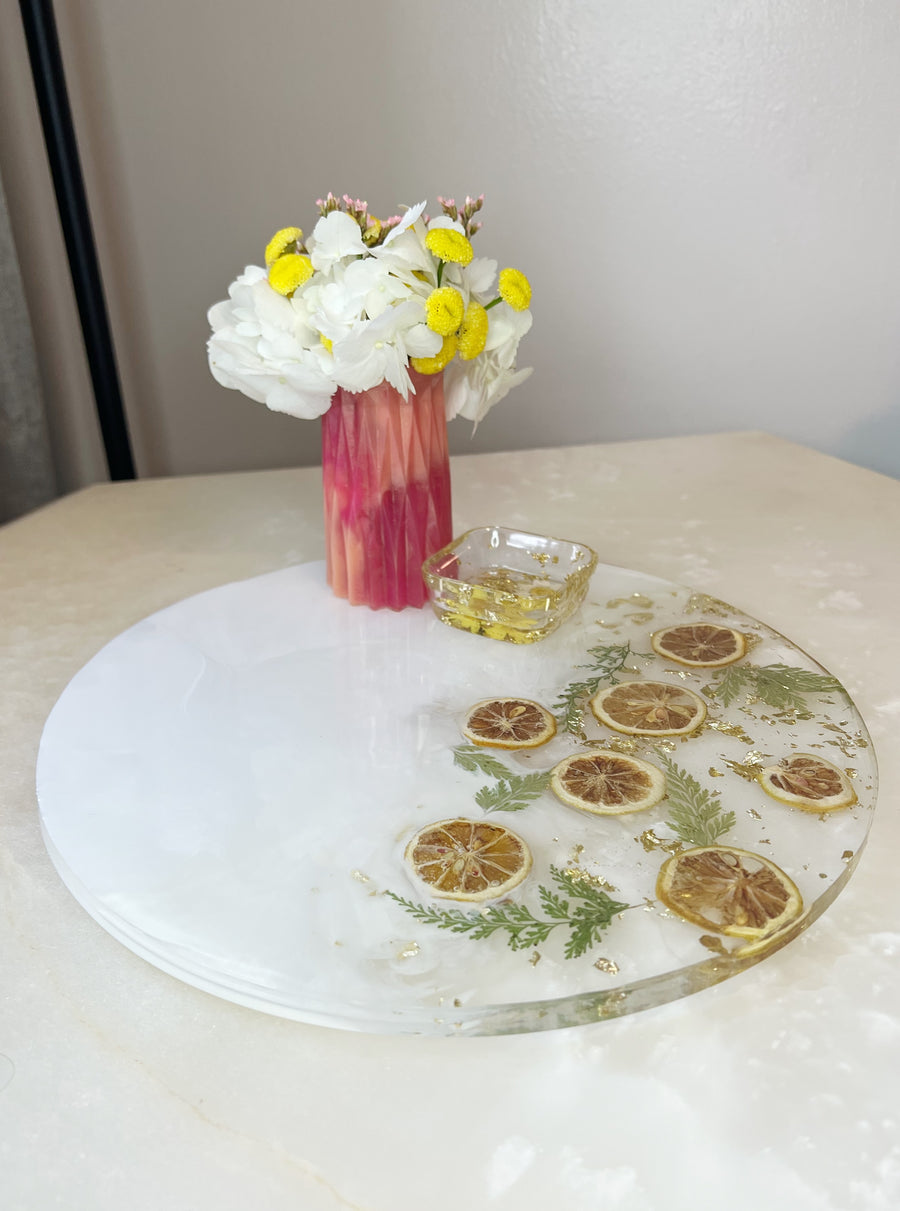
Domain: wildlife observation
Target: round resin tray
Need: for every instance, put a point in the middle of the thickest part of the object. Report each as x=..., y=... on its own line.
x=229, y=788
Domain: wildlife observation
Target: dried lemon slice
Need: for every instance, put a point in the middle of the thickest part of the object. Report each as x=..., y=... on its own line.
x=509, y=723
x=648, y=708
x=729, y=890
x=608, y=784
x=810, y=783
x=467, y=859
x=702, y=645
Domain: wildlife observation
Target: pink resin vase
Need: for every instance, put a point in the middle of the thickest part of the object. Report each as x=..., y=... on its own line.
x=386, y=477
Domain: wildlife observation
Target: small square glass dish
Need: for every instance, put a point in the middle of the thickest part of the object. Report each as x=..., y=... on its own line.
x=506, y=584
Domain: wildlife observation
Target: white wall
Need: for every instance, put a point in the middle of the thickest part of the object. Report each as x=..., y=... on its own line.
x=704, y=194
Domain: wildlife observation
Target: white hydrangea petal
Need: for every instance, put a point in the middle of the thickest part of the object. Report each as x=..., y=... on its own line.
x=334, y=237
x=444, y=220
x=306, y=403
x=460, y=393
x=220, y=314
x=480, y=274
x=406, y=254
x=420, y=341
x=409, y=218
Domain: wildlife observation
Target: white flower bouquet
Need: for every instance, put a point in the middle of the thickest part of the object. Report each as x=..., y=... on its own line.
x=361, y=301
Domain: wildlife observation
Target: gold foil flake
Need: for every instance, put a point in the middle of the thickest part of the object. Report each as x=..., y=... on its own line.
x=847, y=855
x=851, y=772
x=457, y=1003
x=702, y=602
x=763, y=841
x=636, y=599
x=788, y=715
x=677, y=673
x=822, y=874
x=541, y=557
x=845, y=742
x=649, y=905
x=651, y=841
x=724, y=728
x=575, y=855
x=360, y=877
x=752, y=639
x=715, y=773
x=667, y=746
x=535, y=958
x=753, y=813
x=620, y=744
x=607, y=966
x=843, y=747
x=610, y=1007
x=716, y=945
x=409, y=951
x=579, y=875
x=610, y=626
x=745, y=769
x=640, y=619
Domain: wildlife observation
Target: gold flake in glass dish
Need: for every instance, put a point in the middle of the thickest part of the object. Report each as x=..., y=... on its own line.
x=508, y=585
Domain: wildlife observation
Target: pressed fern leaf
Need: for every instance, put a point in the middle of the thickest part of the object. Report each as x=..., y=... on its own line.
x=777, y=685
x=589, y=918
x=607, y=660
x=585, y=922
x=697, y=817
x=474, y=759
x=732, y=683
x=522, y=929
x=512, y=793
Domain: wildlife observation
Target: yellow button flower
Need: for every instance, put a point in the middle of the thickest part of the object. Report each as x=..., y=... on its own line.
x=445, y=309
x=280, y=242
x=515, y=289
x=473, y=331
x=434, y=365
x=449, y=245
x=289, y=272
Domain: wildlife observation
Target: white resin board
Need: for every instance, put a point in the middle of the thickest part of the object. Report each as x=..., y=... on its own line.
x=229, y=786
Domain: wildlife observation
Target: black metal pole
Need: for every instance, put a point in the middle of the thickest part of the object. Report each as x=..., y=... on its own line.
x=65, y=166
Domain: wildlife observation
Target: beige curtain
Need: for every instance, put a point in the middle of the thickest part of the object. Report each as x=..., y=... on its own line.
x=27, y=477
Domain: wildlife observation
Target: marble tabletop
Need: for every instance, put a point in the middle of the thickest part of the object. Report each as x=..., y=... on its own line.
x=122, y=1087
